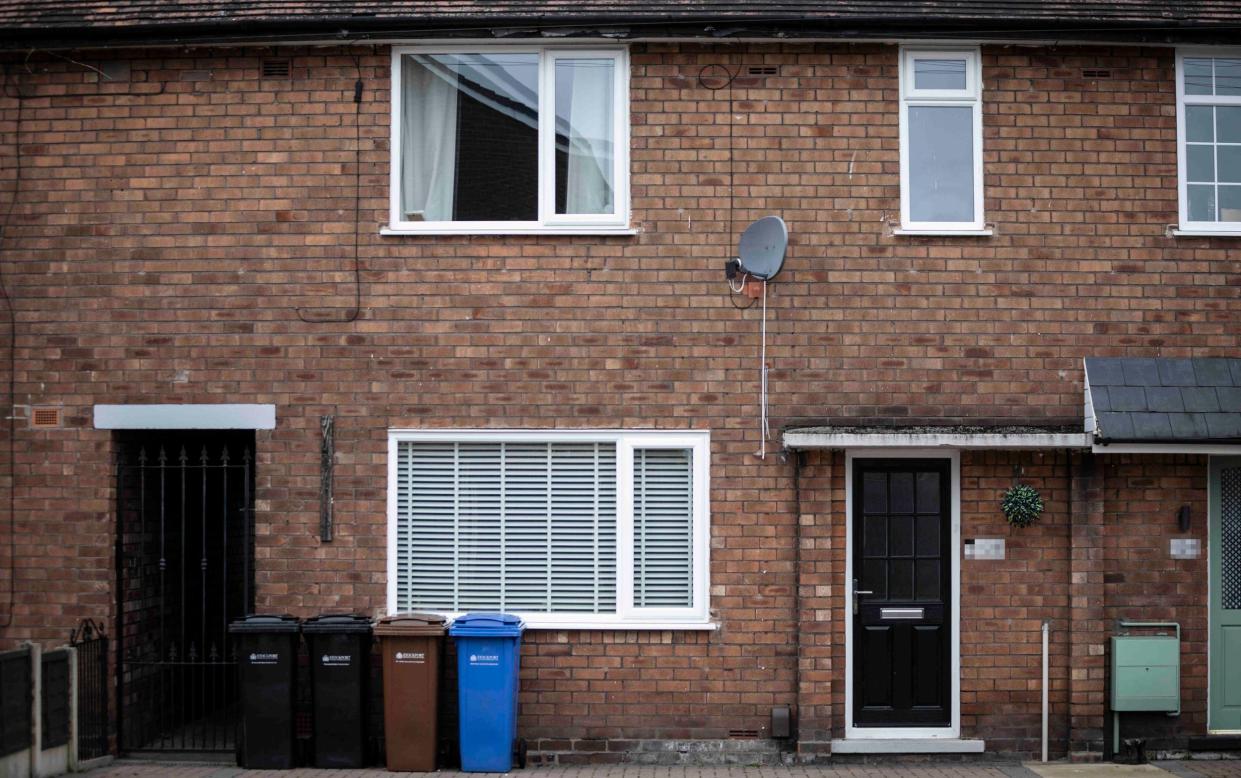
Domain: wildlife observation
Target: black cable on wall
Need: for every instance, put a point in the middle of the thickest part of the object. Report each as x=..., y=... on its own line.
x=11, y=342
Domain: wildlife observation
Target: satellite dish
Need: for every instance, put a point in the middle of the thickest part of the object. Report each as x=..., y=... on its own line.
x=762, y=246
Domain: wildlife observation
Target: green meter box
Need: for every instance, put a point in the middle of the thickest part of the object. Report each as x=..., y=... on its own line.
x=1146, y=673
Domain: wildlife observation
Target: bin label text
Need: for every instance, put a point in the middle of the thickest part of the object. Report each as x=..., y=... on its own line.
x=264, y=659
x=337, y=660
x=485, y=659
x=411, y=657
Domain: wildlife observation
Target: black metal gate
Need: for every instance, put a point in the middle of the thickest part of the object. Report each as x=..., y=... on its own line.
x=92, y=649
x=185, y=569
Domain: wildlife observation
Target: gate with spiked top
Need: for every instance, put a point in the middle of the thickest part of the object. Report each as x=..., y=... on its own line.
x=185, y=564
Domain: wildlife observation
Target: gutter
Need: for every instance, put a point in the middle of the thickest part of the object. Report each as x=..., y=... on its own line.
x=341, y=29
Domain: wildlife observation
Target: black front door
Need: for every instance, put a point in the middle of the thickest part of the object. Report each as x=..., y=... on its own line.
x=901, y=613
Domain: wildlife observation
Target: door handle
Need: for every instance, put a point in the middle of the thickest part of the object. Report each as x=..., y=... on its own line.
x=856, y=592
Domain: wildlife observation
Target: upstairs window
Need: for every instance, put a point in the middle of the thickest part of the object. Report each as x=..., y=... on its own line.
x=567, y=529
x=941, y=141
x=509, y=140
x=1209, y=142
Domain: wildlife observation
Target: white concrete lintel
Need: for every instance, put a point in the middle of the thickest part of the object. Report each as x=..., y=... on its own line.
x=185, y=417
x=795, y=439
x=909, y=746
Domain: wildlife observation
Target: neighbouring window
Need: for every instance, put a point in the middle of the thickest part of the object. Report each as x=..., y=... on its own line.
x=941, y=140
x=505, y=140
x=563, y=528
x=1209, y=147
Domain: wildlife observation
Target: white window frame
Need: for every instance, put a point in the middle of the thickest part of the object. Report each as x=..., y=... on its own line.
x=549, y=222
x=627, y=616
x=970, y=97
x=1232, y=228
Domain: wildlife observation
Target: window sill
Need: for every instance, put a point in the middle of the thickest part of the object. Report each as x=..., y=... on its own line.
x=603, y=231
x=983, y=233
x=1178, y=233
x=625, y=626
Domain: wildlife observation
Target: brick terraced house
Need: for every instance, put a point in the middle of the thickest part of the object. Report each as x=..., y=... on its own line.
x=420, y=305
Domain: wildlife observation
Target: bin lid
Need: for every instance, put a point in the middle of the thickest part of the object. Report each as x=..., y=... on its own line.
x=260, y=623
x=487, y=625
x=338, y=624
x=410, y=624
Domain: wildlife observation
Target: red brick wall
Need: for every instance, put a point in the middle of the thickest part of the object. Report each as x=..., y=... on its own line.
x=168, y=230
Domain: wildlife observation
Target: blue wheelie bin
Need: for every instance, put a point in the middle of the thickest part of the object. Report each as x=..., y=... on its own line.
x=488, y=658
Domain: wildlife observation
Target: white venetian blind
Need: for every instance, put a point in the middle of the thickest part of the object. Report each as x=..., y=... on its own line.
x=663, y=528
x=528, y=527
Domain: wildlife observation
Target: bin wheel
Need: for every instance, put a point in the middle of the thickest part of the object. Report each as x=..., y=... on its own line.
x=519, y=752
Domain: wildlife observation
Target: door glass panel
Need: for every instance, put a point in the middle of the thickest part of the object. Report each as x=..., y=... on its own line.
x=928, y=579
x=901, y=580
x=875, y=492
x=874, y=536
x=901, y=534
x=902, y=493
x=1230, y=538
x=928, y=535
x=928, y=492
x=875, y=578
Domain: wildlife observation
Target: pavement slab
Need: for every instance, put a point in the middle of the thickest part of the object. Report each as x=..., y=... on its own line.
x=1188, y=769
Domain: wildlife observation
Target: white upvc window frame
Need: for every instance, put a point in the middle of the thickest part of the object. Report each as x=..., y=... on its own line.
x=1187, y=227
x=549, y=222
x=970, y=97
x=627, y=616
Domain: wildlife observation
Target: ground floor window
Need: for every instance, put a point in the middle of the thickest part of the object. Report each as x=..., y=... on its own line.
x=564, y=528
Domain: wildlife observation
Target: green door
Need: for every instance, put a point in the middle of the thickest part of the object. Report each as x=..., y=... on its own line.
x=1225, y=555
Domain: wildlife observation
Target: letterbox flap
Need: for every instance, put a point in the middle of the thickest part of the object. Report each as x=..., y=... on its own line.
x=258, y=623
x=487, y=624
x=410, y=624
x=338, y=624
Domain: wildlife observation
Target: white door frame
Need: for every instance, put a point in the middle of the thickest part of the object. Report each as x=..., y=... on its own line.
x=1212, y=520
x=906, y=733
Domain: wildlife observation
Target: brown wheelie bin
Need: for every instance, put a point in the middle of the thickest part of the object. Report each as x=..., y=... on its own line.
x=411, y=645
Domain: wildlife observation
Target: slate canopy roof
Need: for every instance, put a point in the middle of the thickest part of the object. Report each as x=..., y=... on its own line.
x=26, y=23
x=1164, y=400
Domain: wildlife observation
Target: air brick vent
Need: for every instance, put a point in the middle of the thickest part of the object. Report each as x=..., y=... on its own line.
x=44, y=418
x=1096, y=73
x=276, y=68
x=763, y=70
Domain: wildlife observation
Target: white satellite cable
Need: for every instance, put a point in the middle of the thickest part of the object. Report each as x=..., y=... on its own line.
x=764, y=431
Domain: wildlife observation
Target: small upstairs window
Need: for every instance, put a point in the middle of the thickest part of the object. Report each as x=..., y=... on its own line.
x=941, y=141
x=509, y=140
x=1209, y=141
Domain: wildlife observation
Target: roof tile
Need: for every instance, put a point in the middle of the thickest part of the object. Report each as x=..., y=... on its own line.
x=1176, y=372
x=1212, y=372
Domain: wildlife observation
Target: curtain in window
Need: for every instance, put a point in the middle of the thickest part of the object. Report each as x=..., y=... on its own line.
x=429, y=140
x=584, y=119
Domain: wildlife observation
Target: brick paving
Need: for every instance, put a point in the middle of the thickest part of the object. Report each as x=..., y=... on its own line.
x=1201, y=769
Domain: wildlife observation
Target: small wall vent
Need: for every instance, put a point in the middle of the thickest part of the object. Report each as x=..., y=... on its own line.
x=763, y=70
x=277, y=68
x=1096, y=73
x=743, y=734
x=44, y=418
